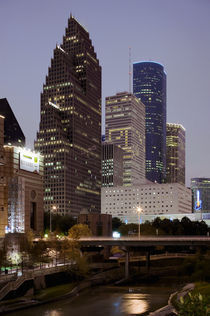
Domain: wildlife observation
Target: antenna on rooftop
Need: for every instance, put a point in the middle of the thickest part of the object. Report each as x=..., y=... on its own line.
x=129, y=73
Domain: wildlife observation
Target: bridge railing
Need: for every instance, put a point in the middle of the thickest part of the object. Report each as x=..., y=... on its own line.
x=29, y=275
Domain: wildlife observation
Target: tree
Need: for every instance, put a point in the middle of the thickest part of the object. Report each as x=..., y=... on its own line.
x=3, y=258
x=39, y=253
x=128, y=229
x=79, y=230
x=116, y=223
x=66, y=250
x=25, y=246
x=187, y=226
x=157, y=222
x=147, y=229
x=60, y=224
x=70, y=250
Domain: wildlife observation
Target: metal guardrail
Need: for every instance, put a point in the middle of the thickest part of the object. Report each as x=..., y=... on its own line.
x=156, y=257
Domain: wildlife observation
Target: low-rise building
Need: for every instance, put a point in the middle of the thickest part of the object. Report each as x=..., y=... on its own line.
x=154, y=200
x=21, y=189
x=99, y=224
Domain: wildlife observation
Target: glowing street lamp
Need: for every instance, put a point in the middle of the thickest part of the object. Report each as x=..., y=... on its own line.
x=52, y=210
x=139, y=211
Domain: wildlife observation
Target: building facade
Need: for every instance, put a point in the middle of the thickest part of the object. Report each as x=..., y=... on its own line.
x=13, y=134
x=149, y=86
x=125, y=127
x=21, y=189
x=99, y=224
x=154, y=199
x=201, y=194
x=175, y=153
x=112, y=165
x=69, y=136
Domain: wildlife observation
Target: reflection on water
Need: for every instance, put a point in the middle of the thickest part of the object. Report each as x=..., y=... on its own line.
x=106, y=301
x=134, y=304
x=55, y=312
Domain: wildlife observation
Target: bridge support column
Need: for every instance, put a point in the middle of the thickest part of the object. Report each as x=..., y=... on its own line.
x=148, y=260
x=126, y=264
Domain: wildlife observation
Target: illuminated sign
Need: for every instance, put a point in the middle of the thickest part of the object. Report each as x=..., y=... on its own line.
x=198, y=202
x=116, y=235
x=29, y=161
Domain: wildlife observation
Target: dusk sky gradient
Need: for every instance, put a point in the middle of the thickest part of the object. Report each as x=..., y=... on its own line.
x=173, y=33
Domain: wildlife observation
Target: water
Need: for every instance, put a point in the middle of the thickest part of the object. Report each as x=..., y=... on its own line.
x=106, y=301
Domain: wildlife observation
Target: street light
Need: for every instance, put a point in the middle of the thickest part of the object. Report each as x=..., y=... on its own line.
x=52, y=209
x=139, y=210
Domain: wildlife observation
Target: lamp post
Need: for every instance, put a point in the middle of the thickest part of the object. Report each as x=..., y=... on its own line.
x=52, y=209
x=139, y=210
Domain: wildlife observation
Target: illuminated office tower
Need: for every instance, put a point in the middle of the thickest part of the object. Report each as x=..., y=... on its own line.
x=125, y=127
x=112, y=165
x=13, y=134
x=175, y=153
x=149, y=86
x=201, y=194
x=69, y=136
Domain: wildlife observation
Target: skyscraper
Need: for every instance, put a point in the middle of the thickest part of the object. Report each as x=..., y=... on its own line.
x=125, y=127
x=112, y=165
x=70, y=128
x=13, y=134
x=175, y=153
x=149, y=86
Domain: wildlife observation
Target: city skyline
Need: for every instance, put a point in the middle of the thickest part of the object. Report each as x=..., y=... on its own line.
x=173, y=34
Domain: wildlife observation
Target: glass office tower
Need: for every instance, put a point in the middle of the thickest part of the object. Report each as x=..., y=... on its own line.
x=149, y=86
x=69, y=136
x=175, y=153
x=13, y=134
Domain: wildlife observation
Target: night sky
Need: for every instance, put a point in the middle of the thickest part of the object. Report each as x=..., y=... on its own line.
x=173, y=33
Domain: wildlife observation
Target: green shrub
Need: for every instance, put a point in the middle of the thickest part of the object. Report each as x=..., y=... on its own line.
x=193, y=305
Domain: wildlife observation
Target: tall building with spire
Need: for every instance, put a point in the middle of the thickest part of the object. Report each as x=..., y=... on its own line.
x=175, y=153
x=149, y=86
x=125, y=127
x=69, y=135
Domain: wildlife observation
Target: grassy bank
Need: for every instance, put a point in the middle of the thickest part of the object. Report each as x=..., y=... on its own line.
x=54, y=291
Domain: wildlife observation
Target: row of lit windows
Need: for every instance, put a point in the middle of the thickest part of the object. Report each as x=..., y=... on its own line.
x=58, y=85
x=134, y=190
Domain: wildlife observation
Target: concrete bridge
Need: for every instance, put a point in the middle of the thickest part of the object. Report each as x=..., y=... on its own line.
x=149, y=241
x=144, y=243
